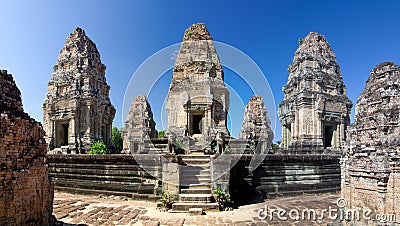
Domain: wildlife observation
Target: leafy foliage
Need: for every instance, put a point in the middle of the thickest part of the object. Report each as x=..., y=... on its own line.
x=98, y=148
x=226, y=149
x=222, y=198
x=167, y=199
x=179, y=144
x=300, y=41
x=117, y=138
x=161, y=133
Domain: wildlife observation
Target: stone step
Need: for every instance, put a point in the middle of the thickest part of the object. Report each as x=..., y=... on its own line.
x=188, y=176
x=195, y=156
x=195, y=181
x=195, y=186
x=190, y=173
x=196, y=191
x=199, y=198
x=186, y=206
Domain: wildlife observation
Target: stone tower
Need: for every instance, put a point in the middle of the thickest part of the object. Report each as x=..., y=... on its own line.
x=139, y=126
x=315, y=111
x=371, y=166
x=198, y=100
x=256, y=123
x=77, y=110
x=26, y=190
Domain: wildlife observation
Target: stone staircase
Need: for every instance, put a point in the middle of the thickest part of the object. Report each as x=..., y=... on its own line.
x=195, y=184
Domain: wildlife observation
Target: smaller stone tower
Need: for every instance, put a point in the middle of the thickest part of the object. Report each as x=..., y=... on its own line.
x=256, y=124
x=77, y=110
x=139, y=126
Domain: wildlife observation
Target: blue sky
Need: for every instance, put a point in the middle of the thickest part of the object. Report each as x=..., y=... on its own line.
x=361, y=33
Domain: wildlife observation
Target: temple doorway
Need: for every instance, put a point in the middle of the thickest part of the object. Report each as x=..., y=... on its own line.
x=197, y=124
x=62, y=134
x=329, y=135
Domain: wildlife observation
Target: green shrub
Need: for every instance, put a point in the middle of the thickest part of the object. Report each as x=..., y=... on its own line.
x=117, y=138
x=179, y=144
x=226, y=149
x=98, y=148
x=222, y=198
x=161, y=133
x=167, y=199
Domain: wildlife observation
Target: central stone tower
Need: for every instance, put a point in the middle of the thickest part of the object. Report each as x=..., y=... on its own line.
x=198, y=100
x=315, y=111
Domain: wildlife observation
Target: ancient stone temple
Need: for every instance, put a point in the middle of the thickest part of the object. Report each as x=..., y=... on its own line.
x=26, y=196
x=256, y=124
x=315, y=111
x=77, y=110
x=371, y=166
x=140, y=125
x=198, y=100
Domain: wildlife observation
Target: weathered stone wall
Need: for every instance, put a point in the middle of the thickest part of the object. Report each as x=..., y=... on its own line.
x=26, y=196
x=371, y=166
x=315, y=111
x=107, y=175
x=282, y=175
x=77, y=110
x=139, y=126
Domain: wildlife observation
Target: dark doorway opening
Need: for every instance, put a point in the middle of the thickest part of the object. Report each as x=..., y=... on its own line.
x=65, y=134
x=61, y=133
x=197, y=126
x=328, y=136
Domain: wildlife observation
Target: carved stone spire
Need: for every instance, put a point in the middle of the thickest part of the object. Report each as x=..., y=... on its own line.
x=77, y=110
x=315, y=111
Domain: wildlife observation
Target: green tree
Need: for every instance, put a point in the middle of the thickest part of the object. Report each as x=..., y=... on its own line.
x=98, y=148
x=275, y=147
x=117, y=138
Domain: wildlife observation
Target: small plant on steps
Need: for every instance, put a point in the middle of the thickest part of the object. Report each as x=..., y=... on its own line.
x=222, y=198
x=167, y=199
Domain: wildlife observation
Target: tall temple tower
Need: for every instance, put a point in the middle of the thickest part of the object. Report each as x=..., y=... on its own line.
x=315, y=111
x=77, y=110
x=198, y=100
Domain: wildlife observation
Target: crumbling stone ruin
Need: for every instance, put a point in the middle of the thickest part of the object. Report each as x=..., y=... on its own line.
x=77, y=110
x=26, y=196
x=140, y=125
x=371, y=166
x=198, y=100
x=315, y=111
x=256, y=124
